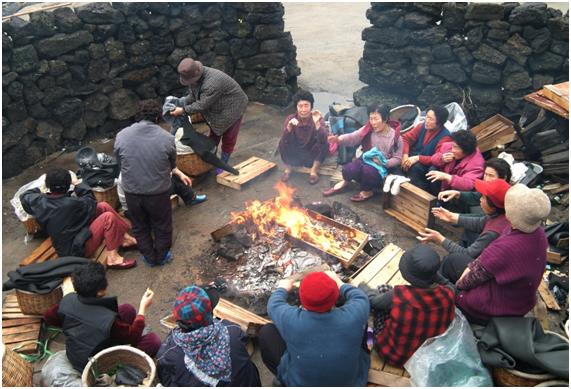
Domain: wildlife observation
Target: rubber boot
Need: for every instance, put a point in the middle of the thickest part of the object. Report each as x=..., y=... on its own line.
x=224, y=157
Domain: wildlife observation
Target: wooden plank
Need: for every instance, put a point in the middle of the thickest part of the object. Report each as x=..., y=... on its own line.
x=11, y=298
x=376, y=265
x=20, y=337
x=558, y=93
x=247, y=320
x=540, y=313
x=19, y=322
x=28, y=347
x=249, y=169
x=388, y=379
x=543, y=102
x=223, y=231
x=393, y=370
x=18, y=316
x=377, y=363
x=563, y=243
x=388, y=271
x=398, y=279
x=405, y=220
x=548, y=297
x=23, y=328
x=554, y=257
x=38, y=252
x=67, y=286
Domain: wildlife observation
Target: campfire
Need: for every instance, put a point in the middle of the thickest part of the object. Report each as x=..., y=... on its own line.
x=279, y=238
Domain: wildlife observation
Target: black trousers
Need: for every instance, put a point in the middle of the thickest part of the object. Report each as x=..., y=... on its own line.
x=272, y=347
x=453, y=265
x=417, y=175
x=152, y=223
x=184, y=191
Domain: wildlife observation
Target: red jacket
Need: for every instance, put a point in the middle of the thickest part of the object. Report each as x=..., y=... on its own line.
x=416, y=315
x=464, y=172
x=411, y=137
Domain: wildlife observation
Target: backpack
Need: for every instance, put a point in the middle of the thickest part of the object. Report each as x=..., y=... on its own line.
x=345, y=120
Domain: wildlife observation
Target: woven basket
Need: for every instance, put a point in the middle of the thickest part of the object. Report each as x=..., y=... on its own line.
x=37, y=304
x=509, y=377
x=15, y=371
x=196, y=118
x=31, y=226
x=192, y=165
x=107, y=359
x=109, y=195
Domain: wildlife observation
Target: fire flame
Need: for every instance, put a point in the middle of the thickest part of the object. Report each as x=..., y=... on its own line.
x=281, y=211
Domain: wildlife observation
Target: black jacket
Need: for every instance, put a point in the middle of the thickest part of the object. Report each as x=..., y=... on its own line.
x=173, y=372
x=65, y=218
x=86, y=324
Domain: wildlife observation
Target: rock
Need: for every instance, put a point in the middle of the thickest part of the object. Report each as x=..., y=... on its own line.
x=263, y=61
x=204, y=45
x=98, y=70
x=115, y=50
x=545, y=61
x=246, y=77
x=147, y=90
x=517, y=49
x=178, y=55
x=269, y=31
x=260, y=82
x=270, y=46
x=76, y=130
x=123, y=104
x=449, y=71
x=13, y=134
x=49, y=130
x=389, y=36
x=169, y=82
x=430, y=36
x=266, y=18
x=498, y=35
x=539, y=80
x=158, y=22
x=474, y=37
x=100, y=13
x=379, y=54
x=43, y=23
x=63, y=43
x=442, y=53
x=223, y=63
x=15, y=112
x=490, y=55
x=94, y=119
x=68, y=110
x=18, y=29
x=239, y=30
x=54, y=94
x=529, y=13
x=24, y=59
x=453, y=16
x=512, y=67
x=417, y=54
x=384, y=18
x=139, y=48
x=66, y=20
x=162, y=44
x=516, y=81
x=440, y=94
x=32, y=94
x=39, y=112
x=57, y=67
x=385, y=78
x=484, y=11
x=12, y=161
x=175, y=24
x=417, y=21
x=96, y=102
x=8, y=78
x=138, y=76
x=559, y=47
x=126, y=34
x=559, y=28
x=104, y=31
x=498, y=25
x=485, y=95
x=64, y=80
x=186, y=37
x=139, y=61
x=276, y=76
x=128, y=8
x=15, y=90
x=464, y=56
x=96, y=50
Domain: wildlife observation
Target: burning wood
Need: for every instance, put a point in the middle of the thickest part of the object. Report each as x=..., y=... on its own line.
x=269, y=218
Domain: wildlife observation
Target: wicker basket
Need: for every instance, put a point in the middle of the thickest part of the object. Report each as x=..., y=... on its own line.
x=31, y=226
x=37, y=304
x=109, y=195
x=191, y=164
x=15, y=371
x=509, y=377
x=106, y=359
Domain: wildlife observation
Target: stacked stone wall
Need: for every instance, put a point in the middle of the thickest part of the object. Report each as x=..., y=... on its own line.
x=486, y=56
x=70, y=75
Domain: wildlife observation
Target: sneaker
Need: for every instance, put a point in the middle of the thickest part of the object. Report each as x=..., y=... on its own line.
x=166, y=259
x=148, y=262
x=219, y=171
x=198, y=199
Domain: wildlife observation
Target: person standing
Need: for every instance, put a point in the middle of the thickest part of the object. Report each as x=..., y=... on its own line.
x=218, y=97
x=147, y=156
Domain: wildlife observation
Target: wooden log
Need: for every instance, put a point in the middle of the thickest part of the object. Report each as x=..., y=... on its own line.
x=227, y=229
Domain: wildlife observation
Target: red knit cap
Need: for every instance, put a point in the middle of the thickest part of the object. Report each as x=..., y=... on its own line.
x=495, y=190
x=318, y=292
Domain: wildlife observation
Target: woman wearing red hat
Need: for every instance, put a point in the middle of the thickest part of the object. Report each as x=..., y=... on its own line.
x=489, y=227
x=317, y=344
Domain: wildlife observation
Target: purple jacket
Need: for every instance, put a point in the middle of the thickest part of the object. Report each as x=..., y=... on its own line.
x=464, y=172
x=517, y=261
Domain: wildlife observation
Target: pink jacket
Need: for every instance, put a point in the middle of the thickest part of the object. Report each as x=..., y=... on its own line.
x=464, y=172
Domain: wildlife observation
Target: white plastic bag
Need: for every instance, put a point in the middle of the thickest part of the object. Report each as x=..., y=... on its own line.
x=58, y=372
x=18, y=209
x=456, y=118
x=450, y=359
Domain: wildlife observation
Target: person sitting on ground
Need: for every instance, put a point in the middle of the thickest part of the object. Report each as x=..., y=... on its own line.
x=504, y=279
x=76, y=223
x=420, y=143
x=202, y=351
x=469, y=202
x=92, y=322
x=406, y=315
x=304, y=138
x=382, y=153
x=317, y=344
x=460, y=163
x=489, y=226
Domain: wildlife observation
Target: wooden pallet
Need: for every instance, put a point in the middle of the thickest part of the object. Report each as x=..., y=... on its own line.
x=543, y=102
x=249, y=169
x=412, y=206
x=383, y=374
x=493, y=132
x=45, y=251
x=19, y=329
x=558, y=93
x=383, y=268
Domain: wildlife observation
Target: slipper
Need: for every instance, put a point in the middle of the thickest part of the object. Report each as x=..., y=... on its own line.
x=395, y=189
x=388, y=182
x=126, y=264
x=359, y=197
x=332, y=191
x=285, y=176
x=313, y=179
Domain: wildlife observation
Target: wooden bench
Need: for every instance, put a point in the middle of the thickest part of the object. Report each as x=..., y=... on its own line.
x=412, y=206
x=19, y=329
x=45, y=251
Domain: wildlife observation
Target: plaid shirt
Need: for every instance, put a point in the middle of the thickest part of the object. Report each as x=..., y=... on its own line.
x=416, y=315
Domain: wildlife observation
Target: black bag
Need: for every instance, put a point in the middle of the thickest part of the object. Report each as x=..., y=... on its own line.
x=345, y=121
x=99, y=170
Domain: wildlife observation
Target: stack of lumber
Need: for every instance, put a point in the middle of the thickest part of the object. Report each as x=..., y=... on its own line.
x=494, y=132
x=18, y=329
x=554, y=98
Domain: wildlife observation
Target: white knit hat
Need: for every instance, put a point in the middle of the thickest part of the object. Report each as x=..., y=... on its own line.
x=526, y=208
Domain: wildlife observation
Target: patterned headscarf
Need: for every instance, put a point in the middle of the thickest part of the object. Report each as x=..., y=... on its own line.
x=193, y=307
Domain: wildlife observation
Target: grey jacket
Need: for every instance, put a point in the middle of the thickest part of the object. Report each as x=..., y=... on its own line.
x=219, y=98
x=147, y=155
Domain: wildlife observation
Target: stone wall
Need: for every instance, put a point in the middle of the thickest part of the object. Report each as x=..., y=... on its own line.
x=485, y=56
x=70, y=75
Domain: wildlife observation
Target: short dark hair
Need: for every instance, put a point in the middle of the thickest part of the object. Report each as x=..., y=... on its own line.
x=501, y=167
x=150, y=110
x=492, y=205
x=89, y=279
x=303, y=95
x=440, y=112
x=465, y=140
x=382, y=110
x=58, y=180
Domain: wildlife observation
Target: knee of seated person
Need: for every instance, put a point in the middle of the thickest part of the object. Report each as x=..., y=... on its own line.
x=103, y=206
